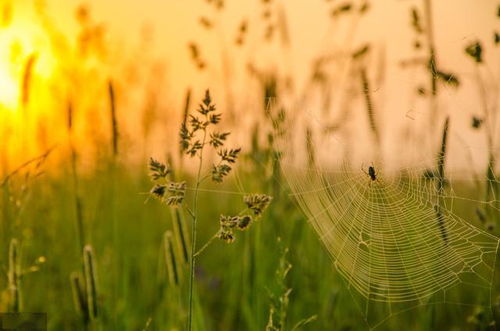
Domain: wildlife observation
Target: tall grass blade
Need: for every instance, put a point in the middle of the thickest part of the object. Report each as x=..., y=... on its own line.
x=26, y=82
x=170, y=259
x=79, y=296
x=369, y=104
x=441, y=181
x=114, y=122
x=14, y=277
x=90, y=281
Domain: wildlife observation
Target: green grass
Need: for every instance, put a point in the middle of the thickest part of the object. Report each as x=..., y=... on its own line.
x=234, y=281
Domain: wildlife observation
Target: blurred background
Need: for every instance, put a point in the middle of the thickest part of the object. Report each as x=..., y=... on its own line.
x=90, y=90
x=61, y=53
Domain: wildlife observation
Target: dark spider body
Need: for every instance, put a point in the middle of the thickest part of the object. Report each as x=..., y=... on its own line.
x=371, y=173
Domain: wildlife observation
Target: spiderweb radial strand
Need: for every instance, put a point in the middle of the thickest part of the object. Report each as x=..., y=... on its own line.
x=384, y=235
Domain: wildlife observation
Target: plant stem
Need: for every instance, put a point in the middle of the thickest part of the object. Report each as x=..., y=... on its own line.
x=114, y=123
x=215, y=236
x=206, y=244
x=490, y=128
x=194, y=215
x=74, y=177
x=432, y=64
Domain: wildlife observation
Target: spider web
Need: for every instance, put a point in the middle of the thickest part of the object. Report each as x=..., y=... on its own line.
x=395, y=240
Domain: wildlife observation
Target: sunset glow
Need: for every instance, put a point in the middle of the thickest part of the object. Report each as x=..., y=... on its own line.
x=27, y=58
x=8, y=89
x=220, y=165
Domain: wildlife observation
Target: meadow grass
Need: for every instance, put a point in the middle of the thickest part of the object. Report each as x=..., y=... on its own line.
x=116, y=263
x=234, y=284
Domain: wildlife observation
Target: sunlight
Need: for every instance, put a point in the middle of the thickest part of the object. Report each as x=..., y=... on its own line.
x=27, y=69
x=8, y=88
x=27, y=56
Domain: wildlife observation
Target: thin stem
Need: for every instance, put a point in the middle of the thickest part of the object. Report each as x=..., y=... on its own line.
x=74, y=176
x=215, y=236
x=365, y=85
x=194, y=215
x=432, y=62
x=206, y=244
x=39, y=159
x=190, y=212
x=430, y=39
x=484, y=105
x=209, y=174
x=489, y=122
x=204, y=178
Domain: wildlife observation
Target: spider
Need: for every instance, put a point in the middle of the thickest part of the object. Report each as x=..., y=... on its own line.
x=371, y=173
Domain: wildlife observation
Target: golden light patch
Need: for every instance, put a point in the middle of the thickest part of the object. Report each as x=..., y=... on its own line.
x=27, y=69
x=8, y=88
x=27, y=57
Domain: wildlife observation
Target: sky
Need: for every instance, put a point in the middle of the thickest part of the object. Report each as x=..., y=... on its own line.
x=160, y=30
x=172, y=24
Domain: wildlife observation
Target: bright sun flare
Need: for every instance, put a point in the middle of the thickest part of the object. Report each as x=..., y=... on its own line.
x=20, y=43
x=8, y=88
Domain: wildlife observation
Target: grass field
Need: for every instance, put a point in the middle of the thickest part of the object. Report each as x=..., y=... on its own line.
x=281, y=195
x=235, y=283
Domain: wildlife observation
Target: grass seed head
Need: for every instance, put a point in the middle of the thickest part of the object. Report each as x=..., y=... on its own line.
x=244, y=222
x=14, y=277
x=90, y=281
x=79, y=296
x=228, y=222
x=258, y=203
x=475, y=51
x=157, y=170
x=158, y=191
x=226, y=235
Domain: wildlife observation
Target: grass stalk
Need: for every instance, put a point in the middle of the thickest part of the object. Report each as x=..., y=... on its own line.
x=492, y=188
x=14, y=277
x=441, y=182
x=206, y=244
x=365, y=85
x=432, y=64
x=90, y=281
x=431, y=45
x=181, y=233
x=26, y=82
x=187, y=104
x=114, y=122
x=171, y=262
x=74, y=178
x=79, y=296
x=311, y=157
x=194, y=215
